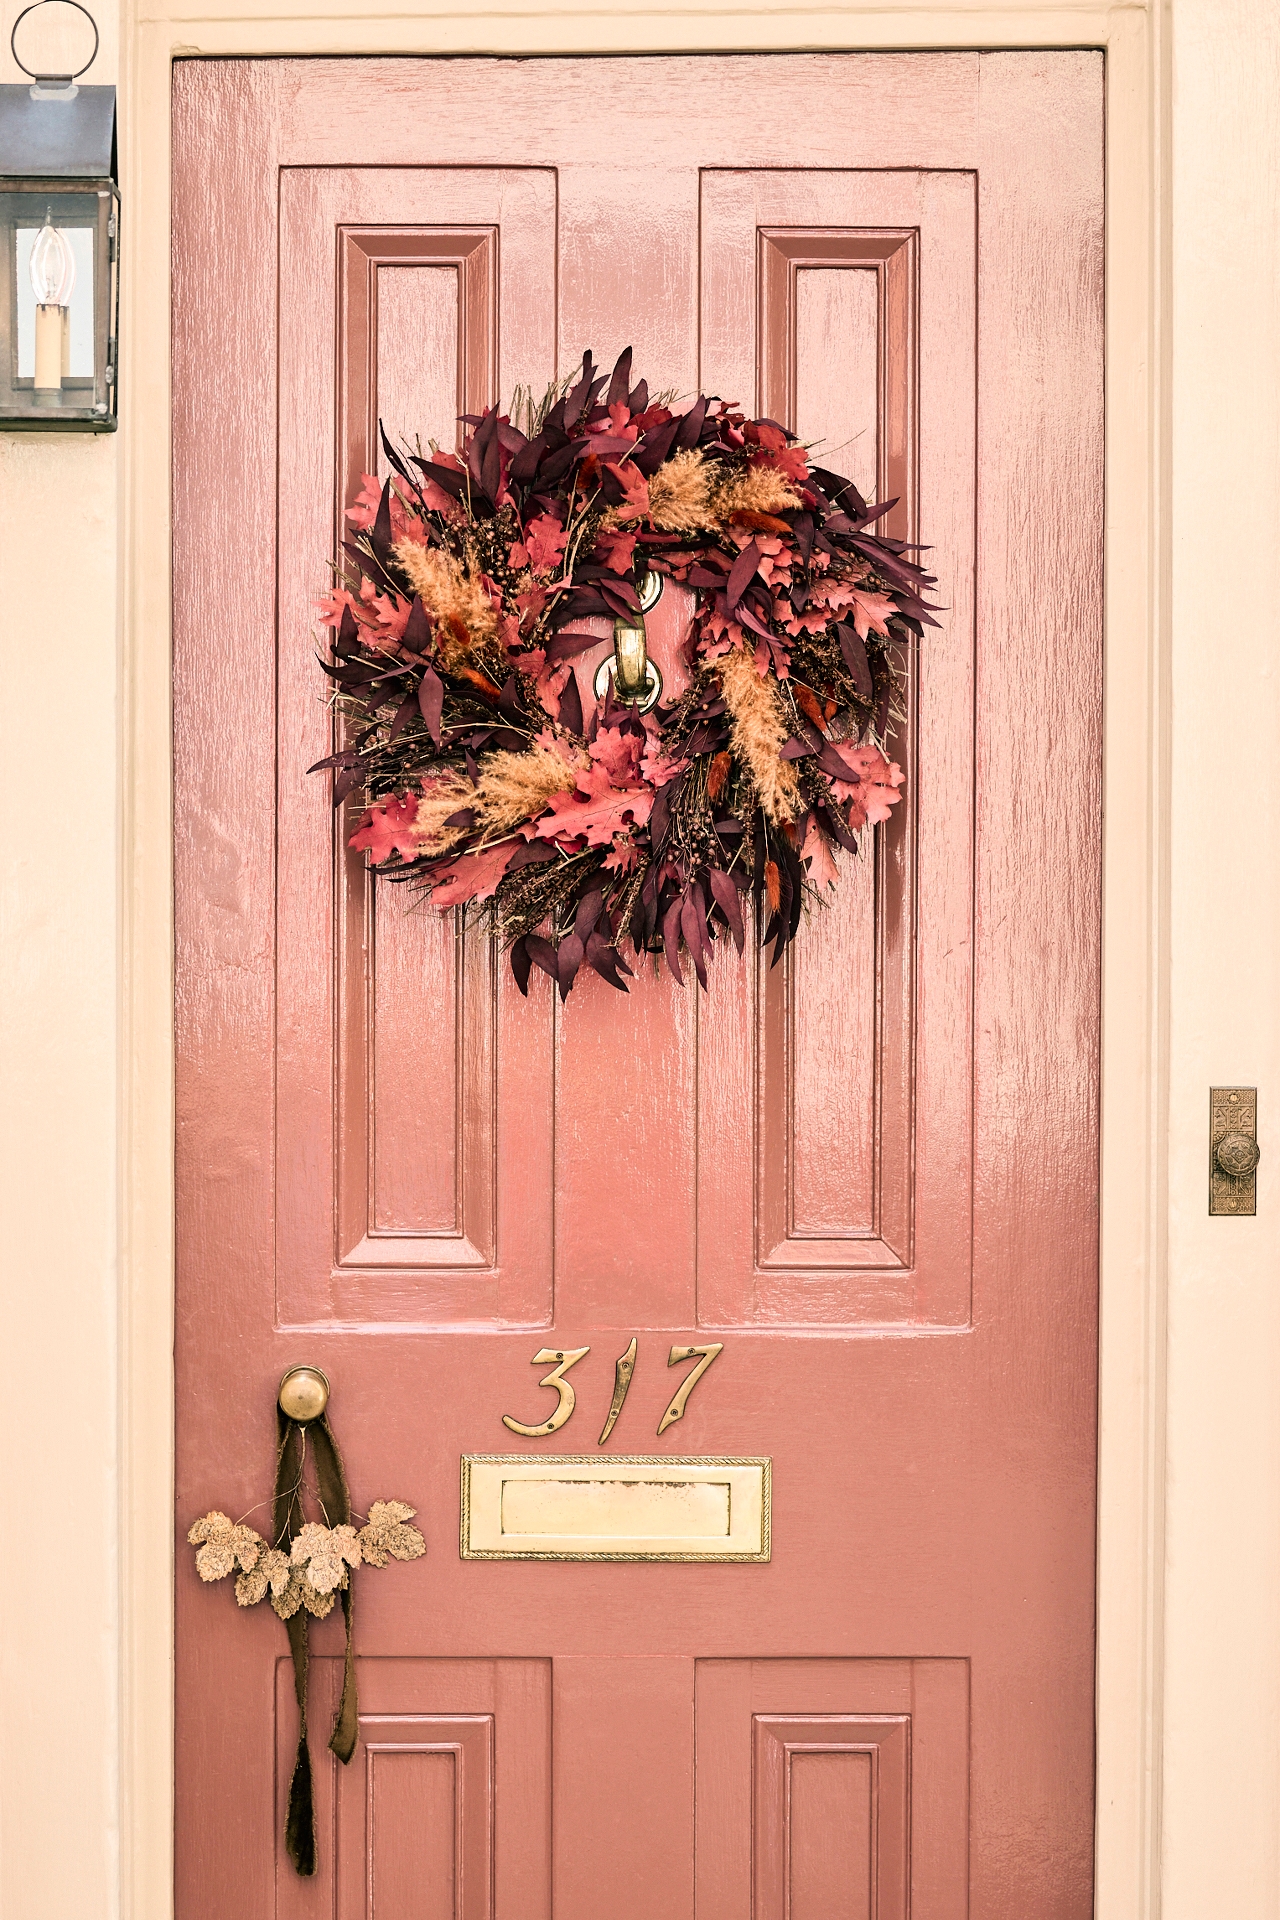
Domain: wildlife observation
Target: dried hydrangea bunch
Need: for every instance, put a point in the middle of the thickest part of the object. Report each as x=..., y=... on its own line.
x=455, y=623
x=317, y=1566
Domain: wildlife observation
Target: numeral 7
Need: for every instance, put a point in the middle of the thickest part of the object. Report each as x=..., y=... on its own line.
x=680, y=1398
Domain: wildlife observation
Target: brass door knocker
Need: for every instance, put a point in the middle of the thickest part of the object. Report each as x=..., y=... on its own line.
x=636, y=679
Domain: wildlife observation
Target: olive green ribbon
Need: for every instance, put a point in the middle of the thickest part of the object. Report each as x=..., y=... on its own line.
x=287, y=1520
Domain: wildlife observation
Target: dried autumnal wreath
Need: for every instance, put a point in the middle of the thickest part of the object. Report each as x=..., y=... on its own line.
x=455, y=621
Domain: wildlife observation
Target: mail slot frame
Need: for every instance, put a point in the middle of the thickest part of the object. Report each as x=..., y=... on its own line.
x=670, y=1469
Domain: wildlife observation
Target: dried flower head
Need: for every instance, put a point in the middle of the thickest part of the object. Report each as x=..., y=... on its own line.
x=515, y=786
x=387, y=1534
x=445, y=795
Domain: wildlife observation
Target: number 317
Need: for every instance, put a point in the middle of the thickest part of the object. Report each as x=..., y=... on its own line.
x=625, y=1366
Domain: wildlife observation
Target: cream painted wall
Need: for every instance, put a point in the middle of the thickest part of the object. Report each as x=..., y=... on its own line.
x=1222, y=1585
x=64, y=1081
x=59, y=1826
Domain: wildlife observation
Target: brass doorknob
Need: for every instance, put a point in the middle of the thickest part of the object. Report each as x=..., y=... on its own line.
x=1237, y=1155
x=304, y=1394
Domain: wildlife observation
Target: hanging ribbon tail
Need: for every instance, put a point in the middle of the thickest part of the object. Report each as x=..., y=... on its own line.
x=286, y=1520
x=299, y=1820
x=346, y=1725
x=335, y=1498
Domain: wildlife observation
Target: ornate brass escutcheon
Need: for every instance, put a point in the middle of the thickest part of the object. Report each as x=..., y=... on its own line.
x=1233, y=1149
x=565, y=1358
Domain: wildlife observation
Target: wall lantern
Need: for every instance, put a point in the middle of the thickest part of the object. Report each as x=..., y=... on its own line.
x=59, y=250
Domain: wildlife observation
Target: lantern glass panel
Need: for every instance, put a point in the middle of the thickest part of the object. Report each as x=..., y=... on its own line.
x=57, y=363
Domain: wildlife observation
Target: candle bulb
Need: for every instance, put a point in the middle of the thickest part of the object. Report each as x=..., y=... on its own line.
x=53, y=275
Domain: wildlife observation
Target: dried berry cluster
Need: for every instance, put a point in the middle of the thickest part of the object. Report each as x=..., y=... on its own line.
x=454, y=636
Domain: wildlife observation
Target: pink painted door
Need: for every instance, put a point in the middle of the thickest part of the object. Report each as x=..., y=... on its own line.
x=870, y=1173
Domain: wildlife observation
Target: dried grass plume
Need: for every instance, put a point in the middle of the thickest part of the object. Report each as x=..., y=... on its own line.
x=760, y=731
x=454, y=597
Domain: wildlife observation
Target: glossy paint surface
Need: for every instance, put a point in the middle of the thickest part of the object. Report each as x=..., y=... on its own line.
x=871, y=1174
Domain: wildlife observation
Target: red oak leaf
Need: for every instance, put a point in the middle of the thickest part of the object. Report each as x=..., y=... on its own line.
x=387, y=829
x=544, y=542
x=615, y=549
x=634, y=486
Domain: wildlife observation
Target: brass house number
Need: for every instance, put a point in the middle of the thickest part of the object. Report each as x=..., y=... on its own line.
x=562, y=1358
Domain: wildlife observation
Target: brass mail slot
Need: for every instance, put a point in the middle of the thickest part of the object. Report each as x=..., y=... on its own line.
x=517, y=1506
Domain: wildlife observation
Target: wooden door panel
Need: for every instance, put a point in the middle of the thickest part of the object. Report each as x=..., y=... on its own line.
x=848, y=1203
x=828, y=1788
x=445, y=1810
x=400, y=1154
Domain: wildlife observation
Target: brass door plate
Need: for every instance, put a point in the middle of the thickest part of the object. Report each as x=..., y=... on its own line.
x=519, y=1506
x=1233, y=1149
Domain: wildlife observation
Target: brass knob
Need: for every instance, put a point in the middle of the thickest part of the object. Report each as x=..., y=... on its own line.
x=1237, y=1155
x=304, y=1394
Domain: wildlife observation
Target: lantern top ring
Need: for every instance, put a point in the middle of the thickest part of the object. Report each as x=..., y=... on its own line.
x=66, y=79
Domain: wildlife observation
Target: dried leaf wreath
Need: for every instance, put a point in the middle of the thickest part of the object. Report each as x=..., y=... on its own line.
x=455, y=625
x=305, y=1568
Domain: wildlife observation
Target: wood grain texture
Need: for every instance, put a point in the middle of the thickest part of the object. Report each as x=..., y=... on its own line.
x=930, y=1409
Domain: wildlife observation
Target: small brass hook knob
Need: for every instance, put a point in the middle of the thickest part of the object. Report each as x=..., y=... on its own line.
x=304, y=1394
x=1237, y=1155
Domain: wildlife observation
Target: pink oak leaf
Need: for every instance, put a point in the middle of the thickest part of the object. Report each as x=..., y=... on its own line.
x=816, y=851
x=543, y=545
x=871, y=611
x=619, y=754
x=330, y=605
x=387, y=829
x=792, y=461
x=473, y=876
x=595, y=811
x=623, y=855
x=365, y=510
x=872, y=786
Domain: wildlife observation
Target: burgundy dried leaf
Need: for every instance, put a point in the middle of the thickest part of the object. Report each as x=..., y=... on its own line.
x=521, y=961
x=726, y=898
x=542, y=954
x=671, y=938
x=741, y=574
x=431, y=701
x=691, y=925
x=569, y=957
x=571, y=706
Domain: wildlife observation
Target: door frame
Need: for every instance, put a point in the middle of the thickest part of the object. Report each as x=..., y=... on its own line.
x=1136, y=813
